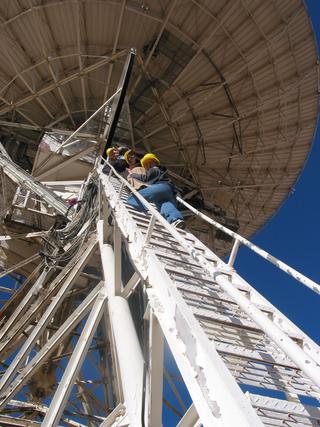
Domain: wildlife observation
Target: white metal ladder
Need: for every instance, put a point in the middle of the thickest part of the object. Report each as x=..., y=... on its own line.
x=222, y=333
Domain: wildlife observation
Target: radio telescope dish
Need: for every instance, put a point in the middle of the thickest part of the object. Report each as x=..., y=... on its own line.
x=223, y=92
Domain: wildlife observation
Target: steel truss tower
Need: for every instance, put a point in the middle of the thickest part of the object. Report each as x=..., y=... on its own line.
x=82, y=341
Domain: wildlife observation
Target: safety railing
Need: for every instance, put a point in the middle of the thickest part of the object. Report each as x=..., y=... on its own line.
x=306, y=362
x=184, y=334
x=155, y=215
x=239, y=240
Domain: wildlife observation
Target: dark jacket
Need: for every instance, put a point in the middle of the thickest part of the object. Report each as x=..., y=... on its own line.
x=120, y=165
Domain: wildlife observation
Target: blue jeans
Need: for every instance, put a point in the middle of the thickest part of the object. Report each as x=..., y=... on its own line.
x=162, y=196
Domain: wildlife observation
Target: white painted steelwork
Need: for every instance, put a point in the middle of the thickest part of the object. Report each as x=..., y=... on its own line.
x=86, y=332
x=22, y=305
x=225, y=93
x=130, y=357
x=61, y=395
x=221, y=276
x=24, y=179
x=69, y=141
x=264, y=254
x=57, y=338
x=20, y=357
x=22, y=236
x=20, y=264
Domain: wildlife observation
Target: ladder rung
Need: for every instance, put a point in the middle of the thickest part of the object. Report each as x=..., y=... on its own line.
x=277, y=412
x=248, y=352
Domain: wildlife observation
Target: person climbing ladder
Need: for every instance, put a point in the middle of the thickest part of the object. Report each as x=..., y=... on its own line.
x=157, y=189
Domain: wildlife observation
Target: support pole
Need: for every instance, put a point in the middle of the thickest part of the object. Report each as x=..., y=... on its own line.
x=129, y=356
x=156, y=350
x=107, y=260
x=117, y=259
x=234, y=252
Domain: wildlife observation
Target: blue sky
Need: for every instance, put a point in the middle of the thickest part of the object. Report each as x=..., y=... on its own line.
x=293, y=236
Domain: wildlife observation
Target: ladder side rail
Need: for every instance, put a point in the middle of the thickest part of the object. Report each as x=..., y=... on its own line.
x=285, y=324
x=264, y=254
x=307, y=344
x=215, y=393
x=304, y=361
x=282, y=322
x=171, y=230
x=185, y=341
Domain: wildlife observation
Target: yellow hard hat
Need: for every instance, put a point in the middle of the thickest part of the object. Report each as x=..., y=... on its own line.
x=149, y=156
x=126, y=155
x=109, y=151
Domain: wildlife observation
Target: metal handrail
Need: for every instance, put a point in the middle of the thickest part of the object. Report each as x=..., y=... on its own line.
x=264, y=254
x=238, y=239
x=307, y=363
x=154, y=213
